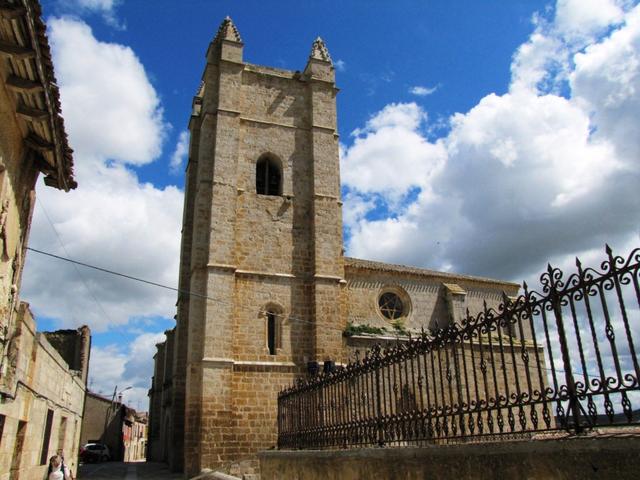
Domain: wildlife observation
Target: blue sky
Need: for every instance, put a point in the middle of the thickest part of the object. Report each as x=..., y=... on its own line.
x=463, y=49
x=479, y=137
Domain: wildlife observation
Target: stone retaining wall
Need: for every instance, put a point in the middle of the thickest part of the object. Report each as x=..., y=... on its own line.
x=601, y=457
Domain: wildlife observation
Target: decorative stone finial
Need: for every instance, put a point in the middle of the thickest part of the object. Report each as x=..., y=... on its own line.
x=228, y=31
x=319, y=51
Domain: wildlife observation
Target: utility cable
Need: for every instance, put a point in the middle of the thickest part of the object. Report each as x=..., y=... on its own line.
x=189, y=293
x=95, y=299
x=124, y=275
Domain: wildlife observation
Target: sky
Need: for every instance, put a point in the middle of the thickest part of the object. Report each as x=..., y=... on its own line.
x=483, y=138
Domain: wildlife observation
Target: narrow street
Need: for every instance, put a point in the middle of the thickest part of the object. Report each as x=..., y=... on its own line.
x=126, y=471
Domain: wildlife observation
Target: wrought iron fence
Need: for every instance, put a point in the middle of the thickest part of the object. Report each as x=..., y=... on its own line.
x=564, y=358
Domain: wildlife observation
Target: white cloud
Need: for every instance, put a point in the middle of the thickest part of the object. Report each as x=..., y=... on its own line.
x=121, y=366
x=105, y=8
x=521, y=178
x=422, y=91
x=355, y=208
x=112, y=219
x=106, y=366
x=539, y=63
x=340, y=65
x=606, y=83
x=110, y=108
x=390, y=155
x=180, y=153
x=585, y=18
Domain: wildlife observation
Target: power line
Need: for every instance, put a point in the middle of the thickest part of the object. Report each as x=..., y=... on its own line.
x=44, y=210
x=160, y=285
x=184, y=292
x=189, y=293
x=112, y=272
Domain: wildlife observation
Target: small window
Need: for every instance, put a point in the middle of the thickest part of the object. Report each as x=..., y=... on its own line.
x=271, y=332
x=2, y=417
x=18, y=445
x=62, y=433
x=268, y=176
x=47, y=436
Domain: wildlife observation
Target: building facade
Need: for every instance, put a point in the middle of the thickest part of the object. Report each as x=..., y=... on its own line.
x=135, y=438
x=42, y=375
x=112, y=423
x=271, y=295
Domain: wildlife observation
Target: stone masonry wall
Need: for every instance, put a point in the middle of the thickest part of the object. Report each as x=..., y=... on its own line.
x=43, y=382
x=427, y=297
x=567, y=459
x=17, y=200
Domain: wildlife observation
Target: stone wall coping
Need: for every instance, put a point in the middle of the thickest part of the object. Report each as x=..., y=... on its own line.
x=272, y=71
x=218, y=361
x=359, y=264
x=593, y=443
x=322, y=276
x=264, y=274
x=229, y=110
x=374, y=338
x=258, y=273
x=269, y=122
x=222, y=361
x=221, y=266
x=264, y=364
x=324, y=195
x=323, y=127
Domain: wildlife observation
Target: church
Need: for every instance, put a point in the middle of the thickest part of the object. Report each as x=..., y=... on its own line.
x=267, y=295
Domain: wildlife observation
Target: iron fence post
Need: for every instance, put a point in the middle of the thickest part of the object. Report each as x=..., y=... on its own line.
x=379, y=408
x=574, y=404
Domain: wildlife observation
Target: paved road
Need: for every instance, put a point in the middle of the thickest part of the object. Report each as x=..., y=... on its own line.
x=126, y=471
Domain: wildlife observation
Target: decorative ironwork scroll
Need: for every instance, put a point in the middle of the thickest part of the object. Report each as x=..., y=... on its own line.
x=563, y=358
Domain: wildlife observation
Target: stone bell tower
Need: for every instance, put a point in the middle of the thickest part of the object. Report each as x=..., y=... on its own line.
x=261, y=250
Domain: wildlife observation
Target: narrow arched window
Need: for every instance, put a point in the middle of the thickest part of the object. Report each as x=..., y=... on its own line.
x=272, y=333
x=268, y=176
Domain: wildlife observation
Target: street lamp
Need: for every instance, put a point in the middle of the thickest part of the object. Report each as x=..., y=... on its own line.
x=121, y=392
x=118, y=395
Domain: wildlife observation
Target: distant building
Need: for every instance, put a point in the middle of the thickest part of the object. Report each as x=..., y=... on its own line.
x=273, y=297
x=110, y=422
x=42, y=375
x=135, y=437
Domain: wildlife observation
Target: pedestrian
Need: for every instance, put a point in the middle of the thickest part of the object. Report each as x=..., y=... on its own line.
x=58, y=470
x=60, y=453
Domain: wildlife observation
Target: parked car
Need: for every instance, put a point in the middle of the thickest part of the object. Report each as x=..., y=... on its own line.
x=94, y=452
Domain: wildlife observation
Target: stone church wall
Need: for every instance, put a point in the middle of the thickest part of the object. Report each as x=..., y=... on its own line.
x=254, y=294
x=426, y=296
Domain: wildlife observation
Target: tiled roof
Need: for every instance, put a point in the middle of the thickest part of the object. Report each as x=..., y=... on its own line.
x=25, y=49
x=357, y=263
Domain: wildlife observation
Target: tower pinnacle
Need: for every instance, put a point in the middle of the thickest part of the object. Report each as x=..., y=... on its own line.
x=228, y=31
x=319, y=51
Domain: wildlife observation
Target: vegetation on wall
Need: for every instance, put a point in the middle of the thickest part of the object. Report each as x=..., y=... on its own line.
x=398, y=328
